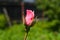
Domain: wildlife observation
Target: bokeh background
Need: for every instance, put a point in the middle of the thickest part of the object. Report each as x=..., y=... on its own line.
x=47, y=17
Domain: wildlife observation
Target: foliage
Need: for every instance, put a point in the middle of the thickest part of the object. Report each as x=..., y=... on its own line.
x=16, y=32
x=38, y=32
x=2, y=20
x=51, y=8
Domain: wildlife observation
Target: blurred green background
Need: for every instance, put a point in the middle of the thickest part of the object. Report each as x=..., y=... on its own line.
x=42, y=29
